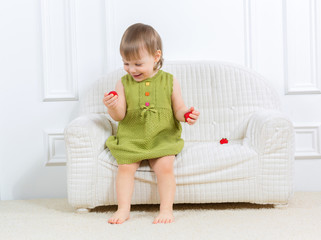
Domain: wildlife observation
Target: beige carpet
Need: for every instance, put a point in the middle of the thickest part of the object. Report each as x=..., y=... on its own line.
x=54, y=219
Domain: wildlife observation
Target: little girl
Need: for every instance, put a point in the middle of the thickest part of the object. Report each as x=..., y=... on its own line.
x=149, y=108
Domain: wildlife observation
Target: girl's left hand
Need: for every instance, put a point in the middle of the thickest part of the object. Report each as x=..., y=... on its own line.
x=193, y=116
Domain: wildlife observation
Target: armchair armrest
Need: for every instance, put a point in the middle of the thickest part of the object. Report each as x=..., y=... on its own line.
x=90, y=131
x=268, y=131
x=85, y=139
x=271, y=134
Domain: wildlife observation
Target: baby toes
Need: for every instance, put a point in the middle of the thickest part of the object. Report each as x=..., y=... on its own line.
x=110, y=220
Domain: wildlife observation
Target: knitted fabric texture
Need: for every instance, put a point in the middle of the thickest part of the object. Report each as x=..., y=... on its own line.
x=149, y=129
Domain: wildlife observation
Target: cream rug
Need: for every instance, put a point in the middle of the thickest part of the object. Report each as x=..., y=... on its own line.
x=54, y=219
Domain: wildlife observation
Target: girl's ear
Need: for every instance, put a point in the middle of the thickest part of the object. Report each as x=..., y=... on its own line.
x=158, y=55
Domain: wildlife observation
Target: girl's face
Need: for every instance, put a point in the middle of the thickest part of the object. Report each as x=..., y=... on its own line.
x=143, y=68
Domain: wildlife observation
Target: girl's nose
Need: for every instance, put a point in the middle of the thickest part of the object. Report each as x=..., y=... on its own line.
x=132, y=70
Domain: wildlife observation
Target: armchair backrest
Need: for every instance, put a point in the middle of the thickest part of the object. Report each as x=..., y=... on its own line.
x=225, y=94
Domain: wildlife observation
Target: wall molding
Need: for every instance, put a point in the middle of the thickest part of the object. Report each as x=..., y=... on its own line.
x=312, y=84
x=248, y=32
x=54, y=147
x=308, y=145
x=59, y=50
x=110, y=23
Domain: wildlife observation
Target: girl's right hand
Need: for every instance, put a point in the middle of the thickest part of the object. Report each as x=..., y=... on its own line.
x=110, y=101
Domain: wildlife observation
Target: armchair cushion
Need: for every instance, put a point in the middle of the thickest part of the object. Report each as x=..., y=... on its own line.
x=201, y=162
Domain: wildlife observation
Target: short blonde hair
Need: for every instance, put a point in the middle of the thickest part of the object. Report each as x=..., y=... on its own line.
x=137, y=37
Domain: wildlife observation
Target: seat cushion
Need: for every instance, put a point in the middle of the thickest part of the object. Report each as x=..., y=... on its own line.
x=202, y=162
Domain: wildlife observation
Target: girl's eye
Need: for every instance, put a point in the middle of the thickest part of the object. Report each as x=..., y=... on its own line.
x=126, y=64
x=138, y=65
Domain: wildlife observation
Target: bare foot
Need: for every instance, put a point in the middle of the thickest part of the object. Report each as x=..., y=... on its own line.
x=165, y=216
x=119, y=217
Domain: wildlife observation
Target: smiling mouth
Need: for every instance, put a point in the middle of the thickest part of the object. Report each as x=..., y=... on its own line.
x=136, y=76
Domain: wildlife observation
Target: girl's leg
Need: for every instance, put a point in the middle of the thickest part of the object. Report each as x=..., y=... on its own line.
x=124, y=189
x=164, y=170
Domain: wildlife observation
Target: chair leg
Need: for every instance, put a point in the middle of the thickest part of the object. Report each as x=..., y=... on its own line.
x=281, y=206
x=83, y=210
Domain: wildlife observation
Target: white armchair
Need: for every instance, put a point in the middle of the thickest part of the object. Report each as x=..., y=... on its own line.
x=236, y=103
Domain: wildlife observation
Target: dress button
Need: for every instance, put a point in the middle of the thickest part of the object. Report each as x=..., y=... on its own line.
x=147, y=104
x=147, y=83
x=146, y=93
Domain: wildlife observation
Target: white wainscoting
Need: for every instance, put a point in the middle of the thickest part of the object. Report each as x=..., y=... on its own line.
x=307, y=138
x=56, y=49
x=59, y=43
x=301, y=21
x=55, y=147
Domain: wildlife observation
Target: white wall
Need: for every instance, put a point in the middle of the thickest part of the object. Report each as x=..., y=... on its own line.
x=51, y=51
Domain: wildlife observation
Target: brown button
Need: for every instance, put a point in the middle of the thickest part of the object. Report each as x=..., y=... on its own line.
x=146, y=93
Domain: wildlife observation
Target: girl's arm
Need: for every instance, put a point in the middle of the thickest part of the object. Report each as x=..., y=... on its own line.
x=116, y=104
x=179, y=106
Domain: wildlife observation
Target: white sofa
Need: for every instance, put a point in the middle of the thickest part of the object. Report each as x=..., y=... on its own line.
x=236, y=103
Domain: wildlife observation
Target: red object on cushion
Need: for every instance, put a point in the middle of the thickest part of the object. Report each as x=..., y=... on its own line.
x=223, y=141
x=186, y=115
x=113, y=92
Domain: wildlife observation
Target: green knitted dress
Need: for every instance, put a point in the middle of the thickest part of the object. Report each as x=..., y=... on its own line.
x=149, y=129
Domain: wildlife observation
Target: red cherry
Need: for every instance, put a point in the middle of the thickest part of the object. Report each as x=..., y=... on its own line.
x=223, y=141
x=113, y=92
x=186, y=115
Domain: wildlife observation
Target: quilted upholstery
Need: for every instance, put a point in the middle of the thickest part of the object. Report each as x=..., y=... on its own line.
x=235, y=103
